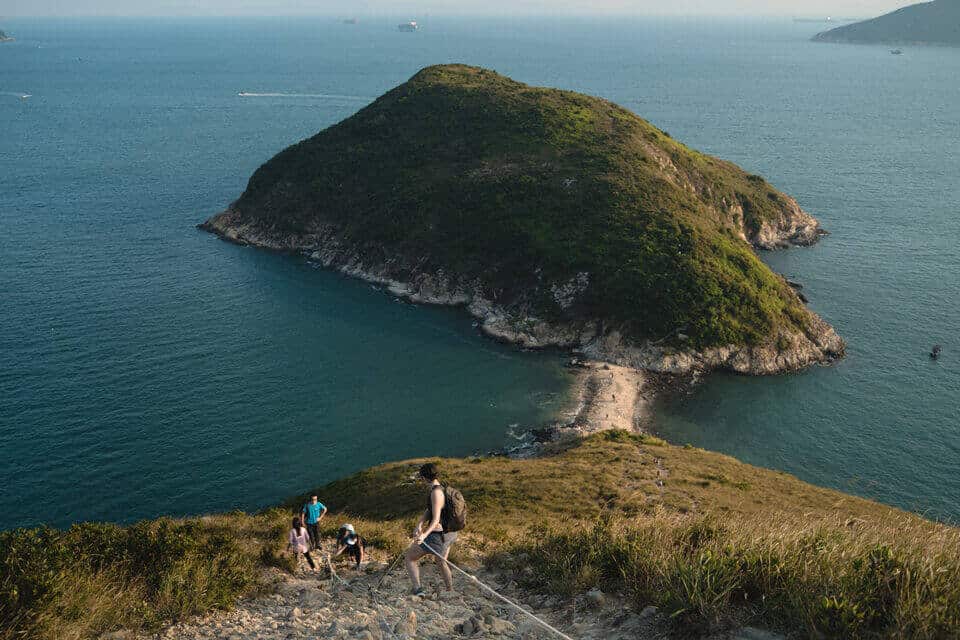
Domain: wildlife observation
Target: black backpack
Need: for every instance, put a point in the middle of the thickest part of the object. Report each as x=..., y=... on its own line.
x=453, y=517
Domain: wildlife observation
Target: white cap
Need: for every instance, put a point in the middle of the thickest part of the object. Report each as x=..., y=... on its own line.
x=348, y=527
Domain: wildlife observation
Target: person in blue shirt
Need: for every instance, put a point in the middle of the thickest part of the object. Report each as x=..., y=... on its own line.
x=311, y=515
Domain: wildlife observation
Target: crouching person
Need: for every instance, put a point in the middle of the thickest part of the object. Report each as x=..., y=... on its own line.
x=353, y=544
x=435, y=533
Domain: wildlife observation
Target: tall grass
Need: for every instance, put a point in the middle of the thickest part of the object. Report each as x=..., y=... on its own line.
x=96, y=577
x=823, y=578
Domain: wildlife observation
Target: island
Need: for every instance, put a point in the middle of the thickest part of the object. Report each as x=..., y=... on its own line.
x=5, y=38
x=557, y=219
x=935, y=22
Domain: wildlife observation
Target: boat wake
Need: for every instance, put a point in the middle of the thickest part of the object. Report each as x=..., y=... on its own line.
x=15, y=94
x=321, y=96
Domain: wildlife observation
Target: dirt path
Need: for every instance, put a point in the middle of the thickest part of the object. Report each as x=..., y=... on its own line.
x=319, y=605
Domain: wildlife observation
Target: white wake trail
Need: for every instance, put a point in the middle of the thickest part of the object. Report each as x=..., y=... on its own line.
x=322, y=96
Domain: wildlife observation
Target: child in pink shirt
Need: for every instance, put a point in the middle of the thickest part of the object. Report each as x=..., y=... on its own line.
x=300, y=542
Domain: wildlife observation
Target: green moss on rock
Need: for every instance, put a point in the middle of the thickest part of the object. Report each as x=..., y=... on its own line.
x=522, y=189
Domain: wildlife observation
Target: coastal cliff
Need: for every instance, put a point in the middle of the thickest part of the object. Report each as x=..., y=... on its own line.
x=935, y=22
x=557, y=219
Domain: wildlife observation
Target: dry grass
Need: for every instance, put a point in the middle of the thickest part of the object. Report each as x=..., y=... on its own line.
x=832, y=578
x=701, y=535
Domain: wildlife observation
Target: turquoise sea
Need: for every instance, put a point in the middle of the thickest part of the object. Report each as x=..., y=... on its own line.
x=148, y=368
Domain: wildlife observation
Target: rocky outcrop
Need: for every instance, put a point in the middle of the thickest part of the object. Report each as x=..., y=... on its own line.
x=514, y=323
x=792, y=226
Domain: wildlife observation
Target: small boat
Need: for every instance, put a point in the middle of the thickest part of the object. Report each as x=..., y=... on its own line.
x=408, y=26
x=935, y=352
x=897, y=52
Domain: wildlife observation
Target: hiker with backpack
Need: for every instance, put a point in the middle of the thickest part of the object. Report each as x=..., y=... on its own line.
x=445, y=515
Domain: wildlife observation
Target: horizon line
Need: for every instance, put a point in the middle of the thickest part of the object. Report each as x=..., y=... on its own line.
x=441, y=14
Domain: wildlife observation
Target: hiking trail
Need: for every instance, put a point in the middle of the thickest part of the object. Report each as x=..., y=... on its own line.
x=343, y=605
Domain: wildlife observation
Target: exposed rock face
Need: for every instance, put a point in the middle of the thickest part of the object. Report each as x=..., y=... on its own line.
x=793, y=226
x=514, y=323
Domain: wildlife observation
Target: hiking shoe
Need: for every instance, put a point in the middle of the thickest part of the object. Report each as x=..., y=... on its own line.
x=419, y=591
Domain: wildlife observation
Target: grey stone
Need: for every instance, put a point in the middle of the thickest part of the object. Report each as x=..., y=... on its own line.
x=595, y=598
x=752, y=633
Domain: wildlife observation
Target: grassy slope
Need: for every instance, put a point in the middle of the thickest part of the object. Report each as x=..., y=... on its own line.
x=718, y=540
x=469, y=171
x=719, y=543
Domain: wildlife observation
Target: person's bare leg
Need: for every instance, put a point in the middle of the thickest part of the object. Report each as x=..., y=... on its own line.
x=445, y=569
x=412, y=558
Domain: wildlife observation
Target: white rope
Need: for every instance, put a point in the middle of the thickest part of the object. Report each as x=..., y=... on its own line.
x=333, y=571
x=502, y=597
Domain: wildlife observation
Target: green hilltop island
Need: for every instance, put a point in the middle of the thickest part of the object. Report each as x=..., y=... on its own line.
x=935, y=22
x=557, y=219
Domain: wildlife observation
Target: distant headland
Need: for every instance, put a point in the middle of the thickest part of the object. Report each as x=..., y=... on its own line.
x=935, y=22
x=557, y=219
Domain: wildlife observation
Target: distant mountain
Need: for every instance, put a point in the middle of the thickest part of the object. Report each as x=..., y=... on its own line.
x=935, y=22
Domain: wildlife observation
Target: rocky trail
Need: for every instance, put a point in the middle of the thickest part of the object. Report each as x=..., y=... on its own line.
x=344, y=604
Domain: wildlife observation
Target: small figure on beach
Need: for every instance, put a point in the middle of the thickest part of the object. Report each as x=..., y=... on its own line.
x=311, y=514
x=935, y=352
x=348, y=540
x=299, y=542
x=445, y=515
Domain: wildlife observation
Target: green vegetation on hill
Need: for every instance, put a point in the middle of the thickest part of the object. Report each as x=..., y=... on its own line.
x=699, y=534
x=935, y=22
x=93, y=577
x=522, y=188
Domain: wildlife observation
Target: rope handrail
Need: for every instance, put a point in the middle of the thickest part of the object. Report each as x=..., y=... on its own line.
x=510, y=602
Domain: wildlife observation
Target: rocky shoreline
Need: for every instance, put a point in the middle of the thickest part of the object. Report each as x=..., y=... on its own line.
x=515, y=324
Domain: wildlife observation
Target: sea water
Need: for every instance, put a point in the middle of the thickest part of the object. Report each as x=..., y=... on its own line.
x=149, y=368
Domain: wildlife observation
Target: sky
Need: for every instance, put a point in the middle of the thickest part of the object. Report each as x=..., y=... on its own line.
x=837, y=8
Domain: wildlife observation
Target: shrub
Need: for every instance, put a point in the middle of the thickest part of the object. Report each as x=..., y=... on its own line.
x=95, y=577
x=891, y=579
